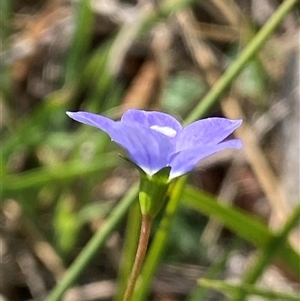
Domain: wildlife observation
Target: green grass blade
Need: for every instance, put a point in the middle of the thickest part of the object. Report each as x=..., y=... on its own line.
x=66, y=225
x=93, y=246
x=61, y=172
x=81, y=41
x=243, y=224
x=30, y=130
x=246, y=55
x=231, y=217
x=6, y=8
x=213, y=271
x=247, y=289
x=264, y=257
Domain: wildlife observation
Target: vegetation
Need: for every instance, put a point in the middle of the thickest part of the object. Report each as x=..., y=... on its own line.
x=69, y=213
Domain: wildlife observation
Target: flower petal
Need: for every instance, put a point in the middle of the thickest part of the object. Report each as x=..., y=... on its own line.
x=157, y=121
x=149, y=149
x=101, y=122
x=205, y=132
x=184, y=161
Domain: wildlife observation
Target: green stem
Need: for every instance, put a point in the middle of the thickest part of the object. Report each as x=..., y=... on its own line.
x=212, y=97
x=91, y=249
x=159, y=243
x=140, y=255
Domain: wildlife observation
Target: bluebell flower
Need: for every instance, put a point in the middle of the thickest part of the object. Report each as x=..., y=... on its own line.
x=155, y=140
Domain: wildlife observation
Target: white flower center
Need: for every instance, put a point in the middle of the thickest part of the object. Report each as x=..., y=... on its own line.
x=164, y=130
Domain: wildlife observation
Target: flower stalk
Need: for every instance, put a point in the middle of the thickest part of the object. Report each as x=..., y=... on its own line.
x=140, y=255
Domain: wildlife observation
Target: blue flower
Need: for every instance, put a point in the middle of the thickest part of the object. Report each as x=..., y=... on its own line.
x=154, y=140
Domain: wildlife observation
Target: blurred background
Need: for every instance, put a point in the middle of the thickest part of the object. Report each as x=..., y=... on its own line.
x=60, y=179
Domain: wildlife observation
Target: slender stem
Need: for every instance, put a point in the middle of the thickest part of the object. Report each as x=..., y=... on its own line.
x=160, y=240
x=140, y=256
x=133, y=228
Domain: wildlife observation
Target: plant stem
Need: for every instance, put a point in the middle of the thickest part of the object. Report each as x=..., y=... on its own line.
x=160, y=240
x=140, y=255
